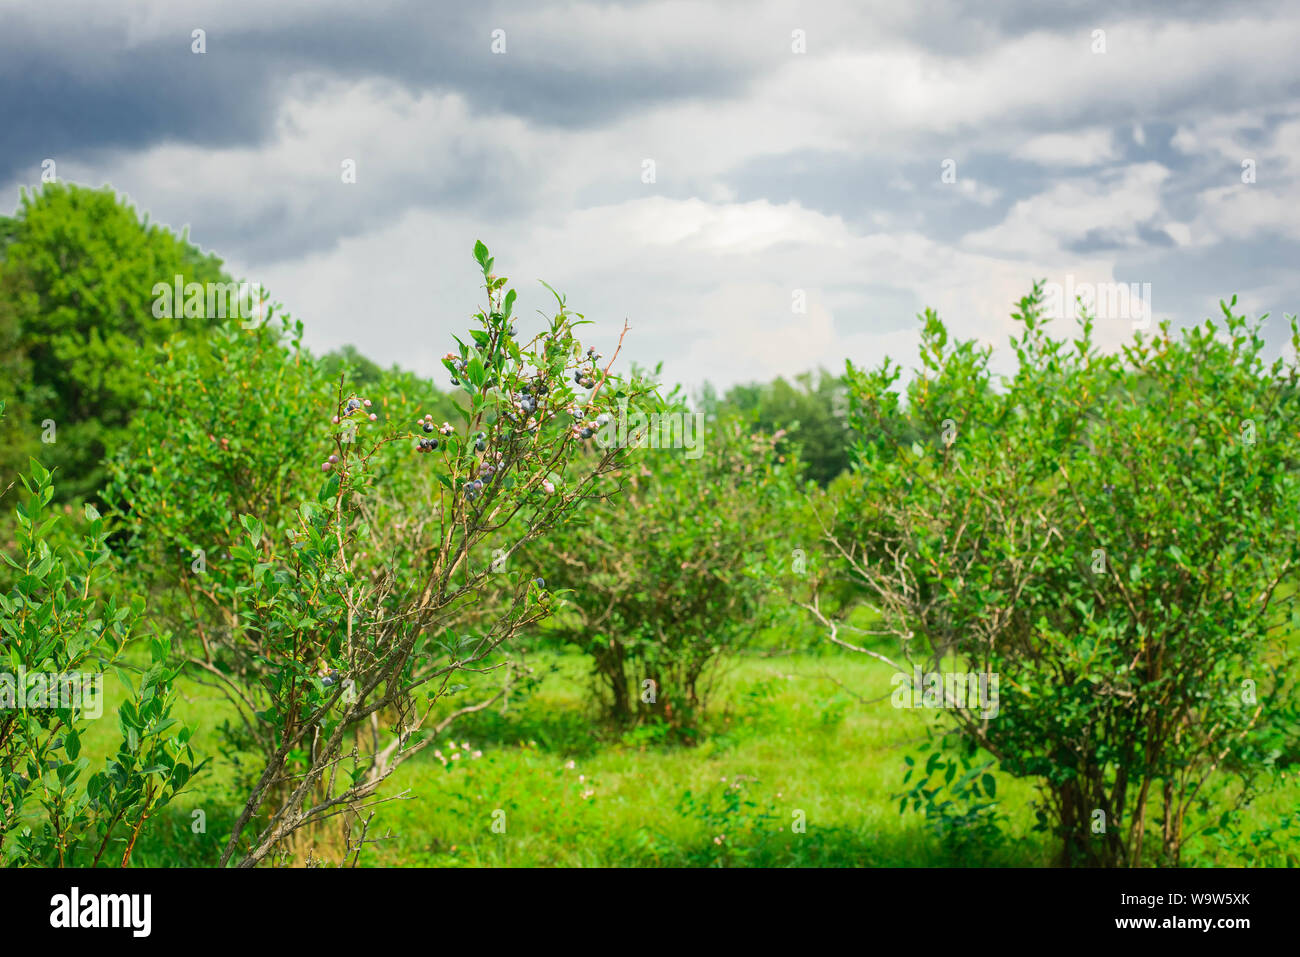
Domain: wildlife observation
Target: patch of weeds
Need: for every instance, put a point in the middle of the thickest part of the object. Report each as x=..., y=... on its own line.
x=1273, y=845
x=957, y=794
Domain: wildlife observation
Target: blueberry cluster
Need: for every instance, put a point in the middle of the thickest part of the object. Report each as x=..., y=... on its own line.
x=525, y=403
x=585, y=430
x=586, y=378
x=429, y=445
x=458, y=366
x=353, y=406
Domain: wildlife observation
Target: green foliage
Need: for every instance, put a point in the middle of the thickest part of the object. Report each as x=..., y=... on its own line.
x=1273, y=845
x=355, y=584
x=58, y=635
x=811, y=409
x=737, y=822
x=956, y=793
x=1107, y=534
x=1114, y=536
x=77, y=274
x=679, y=571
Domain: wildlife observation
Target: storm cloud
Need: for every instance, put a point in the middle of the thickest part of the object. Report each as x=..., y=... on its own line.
x=866, y=160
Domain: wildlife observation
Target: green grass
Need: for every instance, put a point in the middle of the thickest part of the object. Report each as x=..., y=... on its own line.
x=813, y=734
x=783, y=730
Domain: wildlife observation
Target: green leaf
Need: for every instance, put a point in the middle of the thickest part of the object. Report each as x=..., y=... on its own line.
x=990, y=785
x=329, y=489
x=254, y=528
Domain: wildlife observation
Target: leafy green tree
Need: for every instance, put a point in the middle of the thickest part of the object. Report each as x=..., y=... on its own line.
x=811, y=408
x=78, y=269
x=1113, y=538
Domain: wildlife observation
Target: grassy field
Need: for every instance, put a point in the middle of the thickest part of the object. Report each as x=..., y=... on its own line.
x=796, y=737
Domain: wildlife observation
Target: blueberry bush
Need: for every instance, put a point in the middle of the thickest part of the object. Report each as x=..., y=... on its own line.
x=348, y=617
x=1114, y=536
x=61, y=630
x=667, y=580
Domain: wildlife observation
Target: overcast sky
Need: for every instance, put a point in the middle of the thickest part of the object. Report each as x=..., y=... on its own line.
x=1112, y=156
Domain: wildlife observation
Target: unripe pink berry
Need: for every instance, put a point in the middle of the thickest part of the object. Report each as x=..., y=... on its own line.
x=335, y=420
x=366, y=403
x=373, y=417
x=325, y=466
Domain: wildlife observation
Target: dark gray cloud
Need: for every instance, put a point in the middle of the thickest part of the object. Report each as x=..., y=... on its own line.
x=82, y=90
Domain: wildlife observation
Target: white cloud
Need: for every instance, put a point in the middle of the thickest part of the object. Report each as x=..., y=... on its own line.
x=1113, y=204
x=1084, y=148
